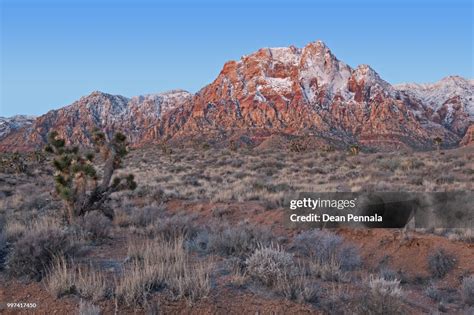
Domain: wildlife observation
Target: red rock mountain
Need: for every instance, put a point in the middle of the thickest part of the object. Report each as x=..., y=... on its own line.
x=285, y=91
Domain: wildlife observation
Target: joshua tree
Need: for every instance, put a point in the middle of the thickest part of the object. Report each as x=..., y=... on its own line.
x=354, y=149
x=18, y=163
x=438, y=141
x=76, y=176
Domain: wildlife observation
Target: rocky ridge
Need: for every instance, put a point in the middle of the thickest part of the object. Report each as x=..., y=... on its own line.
x=286, y=91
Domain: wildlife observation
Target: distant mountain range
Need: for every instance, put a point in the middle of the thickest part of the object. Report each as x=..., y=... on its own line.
x=12, y=124
x=282, y=92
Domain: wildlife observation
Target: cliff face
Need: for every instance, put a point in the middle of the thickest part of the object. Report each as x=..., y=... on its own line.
x=274, y=90
x=468, y=138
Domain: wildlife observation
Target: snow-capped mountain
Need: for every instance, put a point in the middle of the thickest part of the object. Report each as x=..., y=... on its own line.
x=140, y=117
x=287, y=90
x=449, y=101
x=11, y=124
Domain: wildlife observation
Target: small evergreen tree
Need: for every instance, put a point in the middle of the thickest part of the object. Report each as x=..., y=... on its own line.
x=76, y=178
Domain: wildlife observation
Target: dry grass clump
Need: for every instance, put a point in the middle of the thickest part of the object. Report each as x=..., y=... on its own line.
x=298, y=288
x=468, y=290
x=16, y=226
x=91, y=284
x=190, y=281
x=137, y=282
x=161, y=263
x=14, y=229
x=64, y=278
x=175, y=227
x=383, y=297
x=33, y=253
x=60, y=278
x=440, y=263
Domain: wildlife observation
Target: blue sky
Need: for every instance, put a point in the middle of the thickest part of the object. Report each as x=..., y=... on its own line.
x=53, y=52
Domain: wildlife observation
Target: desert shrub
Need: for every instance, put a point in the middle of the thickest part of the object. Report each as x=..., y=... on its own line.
x=348, y=257
x=13, y=230
x=337, y=300
x=237, y=240
x=389, y=164
x=171, y=228
x=411, y=164
x=468, y=290
x=440, y=263
x=121, y=218
x=445, y=179
x=269, y=264
x=200, y=242
x=433, y=293
x=86, y=308
x=144, y=216
x=94, y=226
x=33, y=253
x=220, y=212
x=298, y=288
x=383, y=297
x=325, y=247
x=442, y=295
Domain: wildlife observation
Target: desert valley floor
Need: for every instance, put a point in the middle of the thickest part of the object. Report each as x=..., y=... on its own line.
x=203, y=233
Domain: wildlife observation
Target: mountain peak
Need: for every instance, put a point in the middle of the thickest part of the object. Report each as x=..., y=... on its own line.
x=279, y=90
x=455, y=79
x=318, y=43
